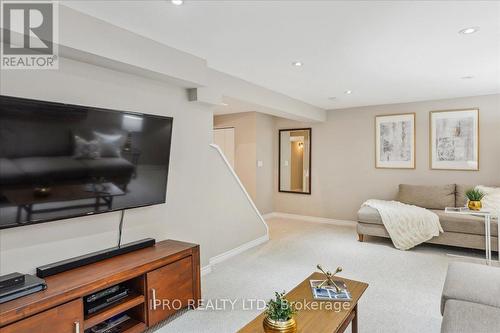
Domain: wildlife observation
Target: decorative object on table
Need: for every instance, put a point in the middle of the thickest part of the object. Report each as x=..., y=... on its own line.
x=329, y=281
x=280, y=315
x=321, y=291
x=42, y=191
x=395, y=141
x=454, y=139
x=475, y=197
x=330, y=289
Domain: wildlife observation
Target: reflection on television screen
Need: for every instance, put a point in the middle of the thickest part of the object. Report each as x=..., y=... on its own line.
x=59, y=160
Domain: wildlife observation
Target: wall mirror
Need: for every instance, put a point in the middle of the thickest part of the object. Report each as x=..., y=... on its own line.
x=295, y=161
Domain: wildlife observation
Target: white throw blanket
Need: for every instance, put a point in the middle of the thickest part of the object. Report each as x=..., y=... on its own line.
x=407, y=225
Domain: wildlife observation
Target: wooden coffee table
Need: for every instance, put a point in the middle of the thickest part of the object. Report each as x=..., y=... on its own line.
x=324, y=320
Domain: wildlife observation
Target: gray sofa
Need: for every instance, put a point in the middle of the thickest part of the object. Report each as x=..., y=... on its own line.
x=470, y=302
x=459, y=230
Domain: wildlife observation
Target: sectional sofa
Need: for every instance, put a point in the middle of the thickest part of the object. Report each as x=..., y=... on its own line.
x=471, y=299
x=459, y=230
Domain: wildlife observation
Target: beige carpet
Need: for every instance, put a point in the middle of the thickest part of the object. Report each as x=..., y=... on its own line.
x=403, y=295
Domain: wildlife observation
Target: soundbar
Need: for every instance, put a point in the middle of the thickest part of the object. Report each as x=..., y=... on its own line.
x=66, y=265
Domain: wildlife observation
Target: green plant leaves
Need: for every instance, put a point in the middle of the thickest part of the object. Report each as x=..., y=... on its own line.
x=279, y=308
x=474, y=195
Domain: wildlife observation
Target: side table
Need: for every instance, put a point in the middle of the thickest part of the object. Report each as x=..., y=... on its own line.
x=486, y=214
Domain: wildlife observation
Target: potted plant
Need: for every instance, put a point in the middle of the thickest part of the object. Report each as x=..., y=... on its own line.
x=280, y=315
x=475, y=197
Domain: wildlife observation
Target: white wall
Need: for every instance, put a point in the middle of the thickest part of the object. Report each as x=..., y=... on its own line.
x=343, y=157
x=195, y=208
x=265, y=153
x=253, y=142
x=245, y=154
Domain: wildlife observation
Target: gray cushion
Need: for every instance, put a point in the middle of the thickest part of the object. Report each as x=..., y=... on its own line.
x=86, y=149
x=472, y=283
x=431, y=197
x=109, y=167
x=460, y=198
x=369, y=215
x=110, y=144
x=465, y=223
x=467, y=317
x=10, y=173
x=450, y=222
x=51, y=168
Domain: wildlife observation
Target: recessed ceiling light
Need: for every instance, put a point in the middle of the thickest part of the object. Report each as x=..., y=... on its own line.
x=348, y=92
x=177, y=2
x=224, y=104
x=467, y=77
x=297, y=63
x=468, y=31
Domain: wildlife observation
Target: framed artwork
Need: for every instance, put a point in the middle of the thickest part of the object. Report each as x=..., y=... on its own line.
x=454, y=139
x=395, y=141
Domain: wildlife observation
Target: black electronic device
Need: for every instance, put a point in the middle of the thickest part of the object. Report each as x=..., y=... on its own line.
x=65, y=265
x=101, y=294
x=10, y=280
x=108, y=297
x=31, y=284
x=60, y=161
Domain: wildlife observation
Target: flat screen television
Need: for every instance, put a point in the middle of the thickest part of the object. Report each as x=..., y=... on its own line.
x=59, y=161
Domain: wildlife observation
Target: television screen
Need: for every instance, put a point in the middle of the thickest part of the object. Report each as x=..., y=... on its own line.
x=59, y=160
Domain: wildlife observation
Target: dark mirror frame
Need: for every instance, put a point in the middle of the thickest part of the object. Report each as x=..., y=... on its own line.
x=279, y=158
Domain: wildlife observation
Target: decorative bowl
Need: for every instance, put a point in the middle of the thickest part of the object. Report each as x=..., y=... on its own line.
x=288, y=326
x=474, y=205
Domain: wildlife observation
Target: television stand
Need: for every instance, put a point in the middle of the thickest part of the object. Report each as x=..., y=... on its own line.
x=156, y=275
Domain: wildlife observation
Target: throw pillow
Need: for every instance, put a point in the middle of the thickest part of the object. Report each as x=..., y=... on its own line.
x=86, y=149
x=111, y=144
x=491, y=200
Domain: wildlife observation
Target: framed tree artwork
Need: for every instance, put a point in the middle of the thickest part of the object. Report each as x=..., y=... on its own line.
x=454, y=139
x=395, y=141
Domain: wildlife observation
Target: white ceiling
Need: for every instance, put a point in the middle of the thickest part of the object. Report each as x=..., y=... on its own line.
x=384, y=51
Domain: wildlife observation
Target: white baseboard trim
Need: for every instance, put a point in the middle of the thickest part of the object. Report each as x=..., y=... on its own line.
x=206, y=270
x=313, y=219
x=242, y=248
x=231, y=253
